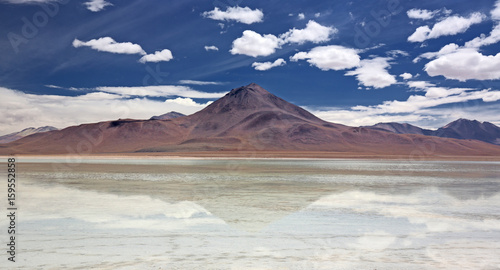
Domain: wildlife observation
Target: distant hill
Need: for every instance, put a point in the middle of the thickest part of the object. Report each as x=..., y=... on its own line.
x=470, y=129
x=401, y=128
x=166, y=116
x=463, y=129
x=248, y=118
x=23, y=133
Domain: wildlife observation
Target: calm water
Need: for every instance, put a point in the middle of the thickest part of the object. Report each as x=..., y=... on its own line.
x=255, y=214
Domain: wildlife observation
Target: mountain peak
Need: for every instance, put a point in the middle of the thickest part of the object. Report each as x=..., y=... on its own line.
x=166, y=116
x=243, y=104
x=462, y=121
x=252, y=88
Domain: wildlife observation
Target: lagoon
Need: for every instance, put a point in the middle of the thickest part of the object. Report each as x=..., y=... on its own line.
x=130, y=213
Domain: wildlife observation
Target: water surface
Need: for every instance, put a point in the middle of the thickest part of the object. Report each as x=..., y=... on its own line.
x=257, y=214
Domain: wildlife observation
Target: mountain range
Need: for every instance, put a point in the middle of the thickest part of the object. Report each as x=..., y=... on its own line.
x=23, y=133
x=460, y=129
x=248, y=118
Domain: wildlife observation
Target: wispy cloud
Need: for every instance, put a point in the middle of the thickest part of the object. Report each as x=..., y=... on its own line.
x=97, y=5
x=158, y=91
x=211, y=48
x=193, y=82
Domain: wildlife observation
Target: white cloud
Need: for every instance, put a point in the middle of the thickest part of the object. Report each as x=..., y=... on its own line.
x=333, y=57
x=417, y=108
x=452, y=47
x=20, y=110
x=396, y=53
x=268, y=65
x=373, y=73
x=314, y=32
x=484, y=40
x=193, y=82
x=244, y=15
x=97, y=5
x=185, y=102
x=107, y=44
x=406, y=76
x=159, y=56
x=450, y=26
x=420, y=34
x=211, y=48
x=422, y=14
x=29, y=1
x=420, y=84
x=158, y=91
x=495, y=13
x=317, y=15
x=465, y=64
x=253, y=44
x=301, y=16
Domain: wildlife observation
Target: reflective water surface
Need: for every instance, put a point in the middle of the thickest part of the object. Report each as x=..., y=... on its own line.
x=256, y=214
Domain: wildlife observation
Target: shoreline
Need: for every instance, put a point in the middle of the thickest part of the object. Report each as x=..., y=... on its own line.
x=256, y=155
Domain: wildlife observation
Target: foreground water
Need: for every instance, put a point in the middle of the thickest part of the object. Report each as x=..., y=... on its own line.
x=255, y=214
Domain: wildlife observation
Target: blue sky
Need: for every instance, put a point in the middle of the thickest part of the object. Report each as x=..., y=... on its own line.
x=357, y=63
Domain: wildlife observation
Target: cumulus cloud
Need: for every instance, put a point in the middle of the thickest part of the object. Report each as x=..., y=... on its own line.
x=268, y=65
x=253, y=44
x=20, y=110
x=333, y=57
x=465, y=64
x=97, y=5
x=107, y=44
x=422, y=14
x=406, y=76
x=211, y=48
x=301, y=16
x=450, y=26
x=314, y=32
x=244, y=15
x=159, y=56
x=373, y=73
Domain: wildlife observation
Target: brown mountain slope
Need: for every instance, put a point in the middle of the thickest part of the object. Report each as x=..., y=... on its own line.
x=246, y=119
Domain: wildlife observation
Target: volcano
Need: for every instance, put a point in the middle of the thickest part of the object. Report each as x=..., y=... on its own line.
x=248, y=118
